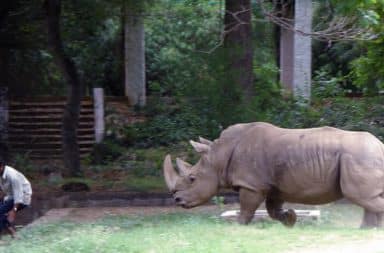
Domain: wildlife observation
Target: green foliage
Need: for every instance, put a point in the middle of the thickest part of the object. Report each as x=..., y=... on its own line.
x=174, y=41
x=207, y=99
x=325, y=85
x=168, y=128
x=219, y=201
x=105, y=152
x=23, y=163
x=355, y=63
x=91, y=33
x=367, y=70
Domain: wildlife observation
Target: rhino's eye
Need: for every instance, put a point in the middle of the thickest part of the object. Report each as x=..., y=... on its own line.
x=191, y=178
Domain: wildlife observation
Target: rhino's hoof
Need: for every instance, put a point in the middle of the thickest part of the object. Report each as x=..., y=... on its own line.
x=289, y=218
x=244, y=219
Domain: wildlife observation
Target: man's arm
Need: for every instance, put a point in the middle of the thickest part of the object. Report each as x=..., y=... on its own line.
x=17, y=192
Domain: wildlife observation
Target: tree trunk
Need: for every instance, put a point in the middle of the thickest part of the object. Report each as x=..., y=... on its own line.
x=287, y=53
x=134, y=54
x=71, y=154
x=238, y=44
x=276, y=38
x=4, y=67
x=3, y=122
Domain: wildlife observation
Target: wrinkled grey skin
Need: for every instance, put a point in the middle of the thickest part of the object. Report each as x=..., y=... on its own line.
x=267, y=163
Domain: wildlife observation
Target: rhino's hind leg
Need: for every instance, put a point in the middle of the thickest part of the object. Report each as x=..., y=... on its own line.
x=275, y=211
x=363, y=185
x=249, y=202
x=373, y=211
x=372, y=219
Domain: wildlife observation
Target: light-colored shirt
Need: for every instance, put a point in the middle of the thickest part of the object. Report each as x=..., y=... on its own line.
x=15, y=186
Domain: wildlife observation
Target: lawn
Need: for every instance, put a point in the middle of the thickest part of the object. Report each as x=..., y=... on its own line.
x=180, y=231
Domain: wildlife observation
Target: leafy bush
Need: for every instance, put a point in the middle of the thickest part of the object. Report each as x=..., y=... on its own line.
x=368, y=70
x=106, y=152
x=165, y=129
x=23, y=163
x=325, y=85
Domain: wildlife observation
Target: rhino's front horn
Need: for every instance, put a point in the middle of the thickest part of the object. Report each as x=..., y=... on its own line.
x=170, y=174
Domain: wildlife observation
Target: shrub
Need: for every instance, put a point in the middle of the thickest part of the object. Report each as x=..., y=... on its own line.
x=105, y=152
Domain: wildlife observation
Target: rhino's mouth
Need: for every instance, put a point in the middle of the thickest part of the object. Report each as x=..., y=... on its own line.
x=183, y=203
x=185, y=206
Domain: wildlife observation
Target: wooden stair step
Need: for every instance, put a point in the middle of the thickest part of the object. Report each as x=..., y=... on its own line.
x=43, y=137
x=47, y=131
x=46, y=117
x=45, y=110
x=46, y=124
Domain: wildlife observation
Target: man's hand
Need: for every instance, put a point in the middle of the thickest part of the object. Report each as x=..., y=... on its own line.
x=11, y=216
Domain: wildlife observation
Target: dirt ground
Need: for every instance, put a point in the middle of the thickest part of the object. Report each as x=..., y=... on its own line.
x=373, y=245
x=89, y=214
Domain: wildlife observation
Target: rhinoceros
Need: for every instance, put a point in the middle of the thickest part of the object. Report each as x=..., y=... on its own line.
x=267, y=163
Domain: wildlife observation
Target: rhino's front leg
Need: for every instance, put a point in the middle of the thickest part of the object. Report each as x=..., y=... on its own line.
x=249, y=202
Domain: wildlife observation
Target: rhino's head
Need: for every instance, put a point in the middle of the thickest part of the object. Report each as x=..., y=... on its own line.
x=193, y=184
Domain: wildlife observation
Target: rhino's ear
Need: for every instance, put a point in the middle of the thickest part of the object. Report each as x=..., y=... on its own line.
x=170, y=174
x=184, y=167
x=200, y=147
x=205, y=141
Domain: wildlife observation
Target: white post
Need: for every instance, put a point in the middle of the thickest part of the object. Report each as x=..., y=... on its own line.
x=98, y=103
x=296, y=52
x=302, y=49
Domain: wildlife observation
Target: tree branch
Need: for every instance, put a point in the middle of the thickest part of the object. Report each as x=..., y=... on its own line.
x=228, y=29
x=339, y=28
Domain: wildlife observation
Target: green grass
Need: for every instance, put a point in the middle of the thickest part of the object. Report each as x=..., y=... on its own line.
x=145, y=184
x=187, y=232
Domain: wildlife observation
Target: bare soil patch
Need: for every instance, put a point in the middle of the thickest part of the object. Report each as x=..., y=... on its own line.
x=89, y=214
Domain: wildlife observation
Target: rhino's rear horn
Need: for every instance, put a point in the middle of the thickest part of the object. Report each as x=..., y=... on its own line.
x=200, y=147
x=170, y=174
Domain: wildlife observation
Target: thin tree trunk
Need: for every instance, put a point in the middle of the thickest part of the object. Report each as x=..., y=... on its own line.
x=71, y=154
x=3, y=122
x=238, y=44
x=276, y=38
x=286, y=51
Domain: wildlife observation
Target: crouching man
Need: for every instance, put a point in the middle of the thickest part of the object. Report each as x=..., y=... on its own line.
x=17, y=190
